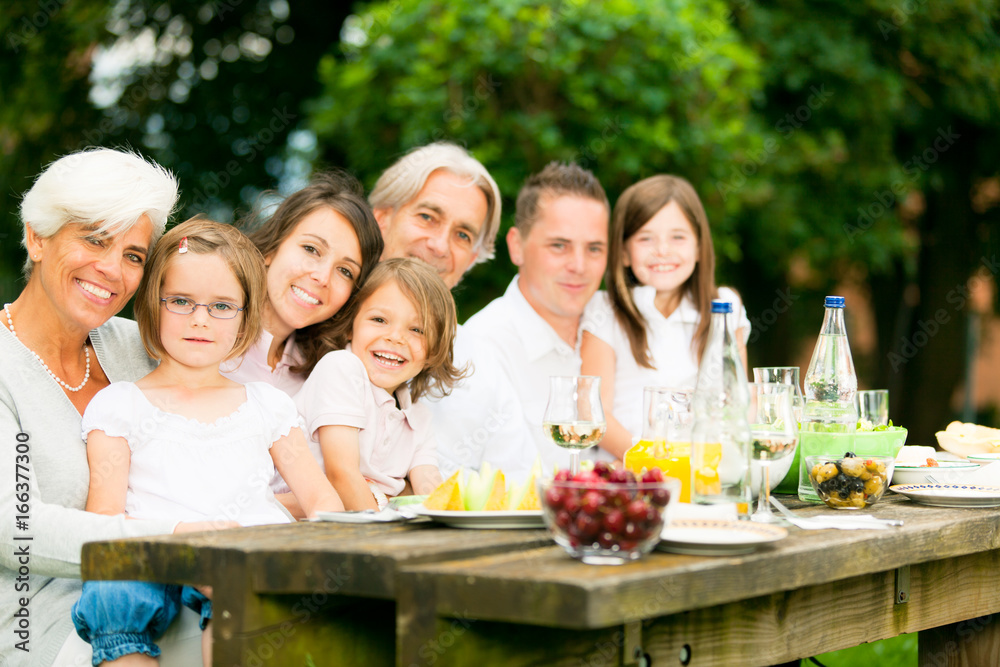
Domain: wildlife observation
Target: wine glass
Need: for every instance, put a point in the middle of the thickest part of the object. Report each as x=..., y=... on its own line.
x=785, y=375
x=574, y=416
x=774, y=435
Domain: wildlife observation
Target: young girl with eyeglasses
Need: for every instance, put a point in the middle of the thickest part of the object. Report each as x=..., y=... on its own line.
x=185, y=442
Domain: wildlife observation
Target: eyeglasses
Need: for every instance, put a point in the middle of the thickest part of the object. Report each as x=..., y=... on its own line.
x=220, y=310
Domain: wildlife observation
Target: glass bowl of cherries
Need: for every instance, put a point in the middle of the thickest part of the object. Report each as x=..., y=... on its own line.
x=606, y=516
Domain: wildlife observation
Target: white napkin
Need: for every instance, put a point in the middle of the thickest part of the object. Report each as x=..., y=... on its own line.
x=841, y=522
x=987, y=475
x=845, y=521
x=366, y=516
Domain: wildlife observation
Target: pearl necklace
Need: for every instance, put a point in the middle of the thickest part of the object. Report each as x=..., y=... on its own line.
x=6, y=309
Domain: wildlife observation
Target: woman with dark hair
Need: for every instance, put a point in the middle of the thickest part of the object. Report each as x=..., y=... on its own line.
x=319, y=246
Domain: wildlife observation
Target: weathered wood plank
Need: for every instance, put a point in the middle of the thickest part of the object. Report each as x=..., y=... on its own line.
x=759, y=631
x=969, y=643
x=350, y=559
x=585, y=597
x=253, y=630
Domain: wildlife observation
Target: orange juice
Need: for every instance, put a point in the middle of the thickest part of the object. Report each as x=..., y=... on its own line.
x=706, y=470
x=674, y=459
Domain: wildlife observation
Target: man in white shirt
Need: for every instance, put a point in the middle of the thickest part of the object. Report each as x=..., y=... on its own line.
x=439, y=204
x=560, y=245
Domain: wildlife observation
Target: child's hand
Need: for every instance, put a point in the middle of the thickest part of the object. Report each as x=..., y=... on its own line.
x=203, y=526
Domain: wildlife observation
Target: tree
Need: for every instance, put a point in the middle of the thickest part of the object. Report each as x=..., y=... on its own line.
x=885, y=179
x=210, y=90
x=522, y=83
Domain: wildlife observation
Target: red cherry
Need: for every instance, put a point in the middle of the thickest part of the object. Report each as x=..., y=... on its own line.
x=606, y=540
x=618, y=476
x=562, y=476
x=614, y=521
x=653, y=475
x=554, y=497
x=660, y=497
x=592, y=502
x=563, y=519
x=632, y=531
x=636, y=510
x=571, y=501
x=586, y=526
x=602, y=469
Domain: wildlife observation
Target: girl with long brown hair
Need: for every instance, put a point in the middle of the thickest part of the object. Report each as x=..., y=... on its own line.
x=653, y=326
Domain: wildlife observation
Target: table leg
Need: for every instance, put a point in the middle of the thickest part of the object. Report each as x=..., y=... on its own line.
x=257, y=629
x=970, y=643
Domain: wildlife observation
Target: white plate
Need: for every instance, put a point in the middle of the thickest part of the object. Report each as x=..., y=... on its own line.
x=385, y=516
x=500, y=519
x=916, y=474
x=950, y=495
x=714, y=537
x=984, y=459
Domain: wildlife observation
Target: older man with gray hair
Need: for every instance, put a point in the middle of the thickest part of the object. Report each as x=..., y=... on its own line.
x=439, y=204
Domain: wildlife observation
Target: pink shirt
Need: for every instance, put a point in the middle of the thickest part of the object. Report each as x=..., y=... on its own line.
x=254, y=366
x=392, y=441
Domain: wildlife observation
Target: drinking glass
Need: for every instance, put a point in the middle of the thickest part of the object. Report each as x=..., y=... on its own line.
x=873, y=406
x=574, y=416
x=773, y=433
x=785, y=375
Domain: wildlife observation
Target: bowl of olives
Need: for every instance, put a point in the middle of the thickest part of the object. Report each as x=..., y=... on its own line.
x=849, y=481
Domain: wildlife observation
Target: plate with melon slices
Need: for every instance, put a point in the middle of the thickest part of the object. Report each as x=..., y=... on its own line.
x=482, y=499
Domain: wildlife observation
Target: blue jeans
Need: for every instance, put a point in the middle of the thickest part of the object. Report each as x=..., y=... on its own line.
x=122, y=617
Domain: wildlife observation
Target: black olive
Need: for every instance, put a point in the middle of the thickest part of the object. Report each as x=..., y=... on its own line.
x=844, y=494
x=848, y=455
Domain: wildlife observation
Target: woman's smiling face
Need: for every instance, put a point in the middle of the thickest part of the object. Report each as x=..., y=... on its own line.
x=312, y=273
x=90, y=277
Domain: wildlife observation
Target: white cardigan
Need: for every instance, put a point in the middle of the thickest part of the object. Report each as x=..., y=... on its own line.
x=32, y=403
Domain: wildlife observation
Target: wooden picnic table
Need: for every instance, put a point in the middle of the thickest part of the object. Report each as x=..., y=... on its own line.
x=419, y=594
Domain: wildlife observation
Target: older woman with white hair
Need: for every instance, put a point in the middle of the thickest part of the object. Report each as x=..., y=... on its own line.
x=90, y=221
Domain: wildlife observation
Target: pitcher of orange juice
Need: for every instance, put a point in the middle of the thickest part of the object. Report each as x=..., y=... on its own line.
x=666, y=436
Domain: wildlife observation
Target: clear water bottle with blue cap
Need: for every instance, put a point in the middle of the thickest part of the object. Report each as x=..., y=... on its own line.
x=720, y=439
x=830, y=386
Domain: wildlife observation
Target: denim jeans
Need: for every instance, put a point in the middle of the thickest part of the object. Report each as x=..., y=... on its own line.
x=122, y=617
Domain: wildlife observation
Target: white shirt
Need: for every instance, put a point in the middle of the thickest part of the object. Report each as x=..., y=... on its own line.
x=495, y=414
x=669, y=340
x=391, y=441
x=188, y=470
x=253, y=366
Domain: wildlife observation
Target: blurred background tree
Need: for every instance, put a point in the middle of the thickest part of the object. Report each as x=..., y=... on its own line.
x=837, y=146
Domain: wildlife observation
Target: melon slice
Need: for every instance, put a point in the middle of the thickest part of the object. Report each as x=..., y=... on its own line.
x=498, y=493
x=447, y=496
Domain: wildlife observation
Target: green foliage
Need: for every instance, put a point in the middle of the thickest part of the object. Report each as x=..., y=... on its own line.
x=627, y=89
